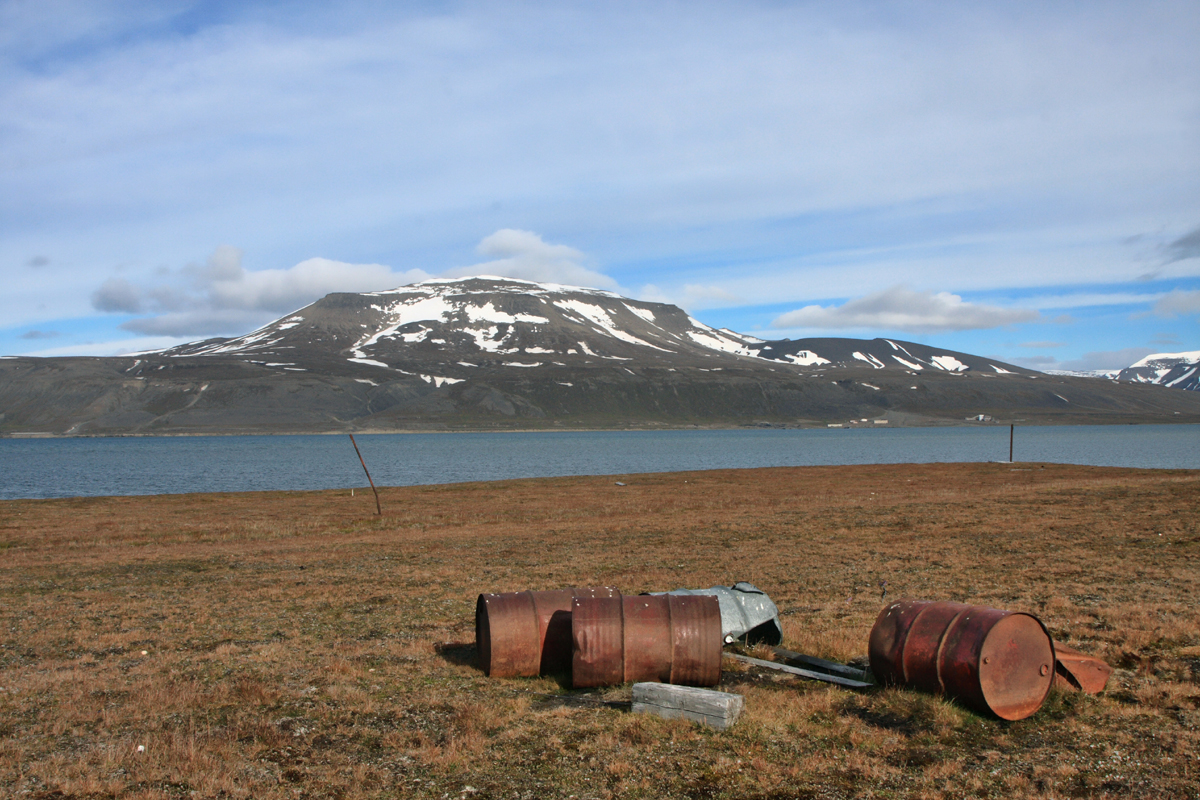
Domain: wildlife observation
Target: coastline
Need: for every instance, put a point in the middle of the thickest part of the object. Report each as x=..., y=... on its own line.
x=648, y=426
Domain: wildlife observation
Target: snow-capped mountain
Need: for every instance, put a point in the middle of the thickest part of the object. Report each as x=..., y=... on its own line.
x=468, y=323
x=1177, y=370
x=493, y=353
x=452, y=327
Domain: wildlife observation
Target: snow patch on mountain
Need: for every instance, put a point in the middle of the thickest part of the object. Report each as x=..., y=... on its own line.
x=806, y=358
x=359, y=359
x=950, y=364
x=602, y=319
x=438, y=381
x=1181, y=378
x=489, y=313
x=644, y=313
x=870, y=359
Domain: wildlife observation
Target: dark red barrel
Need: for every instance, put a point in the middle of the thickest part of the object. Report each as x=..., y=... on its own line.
x=994, y=661
x=664, y=638
x=523, y=634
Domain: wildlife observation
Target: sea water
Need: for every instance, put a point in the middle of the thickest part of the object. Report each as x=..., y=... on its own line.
x=73, y=467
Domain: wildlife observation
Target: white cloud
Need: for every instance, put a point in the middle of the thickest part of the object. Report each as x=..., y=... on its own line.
x=902, y=309
x=1090, y=299
x=650, y=293
x=962, y=146
x=116, y=347
x=222, y=297
x=1032, y=362
x=284, y=290
x=1186, y=246
x=1094, y=360
x=697, y=296
x=524, y=255
x=117, y=295
x=1178, y=303
x=203, y=321
x=1107, y=359
x=692, y=297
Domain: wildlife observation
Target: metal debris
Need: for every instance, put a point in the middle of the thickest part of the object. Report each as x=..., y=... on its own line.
x=1077, y=670
x=801, y=672
x=747, y=614
x=856, y=673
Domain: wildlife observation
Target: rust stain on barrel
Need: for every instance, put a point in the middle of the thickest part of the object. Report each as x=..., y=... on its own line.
x=598, y=641
x=663, y=638
x=523, y=634
x=695, y=640
x=992, y=660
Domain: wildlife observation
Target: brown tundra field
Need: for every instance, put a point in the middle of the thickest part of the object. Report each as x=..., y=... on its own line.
x=297, y=645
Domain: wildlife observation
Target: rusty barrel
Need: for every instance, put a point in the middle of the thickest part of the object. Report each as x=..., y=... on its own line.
x=991, y=660
x=523, y=634
x=664, y=638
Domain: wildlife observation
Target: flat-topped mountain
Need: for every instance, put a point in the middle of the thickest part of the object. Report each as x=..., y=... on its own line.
x=480, y=322
x=503, y=353
x=500, y=322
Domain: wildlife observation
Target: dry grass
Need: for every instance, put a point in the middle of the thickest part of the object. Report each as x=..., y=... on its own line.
x=294, y=645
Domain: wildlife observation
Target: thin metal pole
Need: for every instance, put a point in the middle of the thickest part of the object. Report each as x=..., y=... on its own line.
x=378, y=507
x=1010, y=440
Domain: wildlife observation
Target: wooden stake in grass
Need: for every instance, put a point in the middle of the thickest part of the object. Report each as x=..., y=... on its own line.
x=378, y=507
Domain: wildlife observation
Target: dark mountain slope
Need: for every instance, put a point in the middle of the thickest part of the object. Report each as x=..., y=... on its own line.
x=499, y=353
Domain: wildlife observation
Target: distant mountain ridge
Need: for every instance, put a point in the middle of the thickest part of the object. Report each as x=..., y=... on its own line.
x=1176, y=370
x=497, y=353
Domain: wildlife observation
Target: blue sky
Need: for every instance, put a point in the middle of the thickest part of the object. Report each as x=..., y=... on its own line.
x=1017, y=180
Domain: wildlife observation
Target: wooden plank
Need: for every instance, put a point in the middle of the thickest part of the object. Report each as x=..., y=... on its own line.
x=820, y=663
x=803, y=673
x=706, y=701
x=719, y=710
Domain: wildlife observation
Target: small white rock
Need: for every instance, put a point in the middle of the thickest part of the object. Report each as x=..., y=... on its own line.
x=145, y=652
x=141, y=748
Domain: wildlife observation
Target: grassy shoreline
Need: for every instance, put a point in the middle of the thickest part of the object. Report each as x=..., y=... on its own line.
x=295, y=644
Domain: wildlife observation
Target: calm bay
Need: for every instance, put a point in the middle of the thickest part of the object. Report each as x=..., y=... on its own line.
x=82, y=467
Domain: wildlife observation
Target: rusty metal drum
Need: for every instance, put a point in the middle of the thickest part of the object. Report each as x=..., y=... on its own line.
x=663, y=638
x=523, y=634
x=999, y=662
